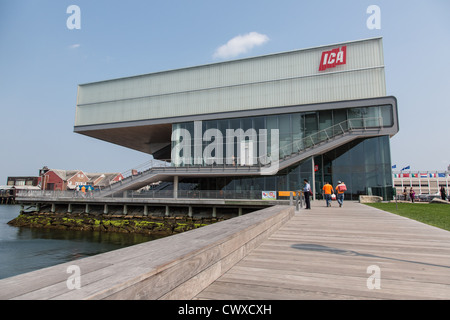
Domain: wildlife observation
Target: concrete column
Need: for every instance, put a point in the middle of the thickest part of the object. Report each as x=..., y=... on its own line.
x=69, y=208
x=175, y=187
x=105, y=209
x=125, y=209
x=313, y=182
x=87, y=208
x=145, y=210
x=240, y=211
x=214, y=213
x=167, y=211
x=22, y=208
x=190, y=211
x=53, y=208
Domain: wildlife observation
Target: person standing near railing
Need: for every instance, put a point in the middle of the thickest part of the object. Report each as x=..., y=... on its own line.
x=307, y=193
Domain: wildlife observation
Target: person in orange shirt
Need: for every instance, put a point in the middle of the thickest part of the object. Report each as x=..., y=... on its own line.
x=327, y=190
x=340, y=189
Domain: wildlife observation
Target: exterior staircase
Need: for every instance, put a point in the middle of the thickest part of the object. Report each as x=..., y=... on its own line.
x=314, y=144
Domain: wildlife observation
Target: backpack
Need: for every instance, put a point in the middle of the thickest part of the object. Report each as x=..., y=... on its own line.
x=342, y=187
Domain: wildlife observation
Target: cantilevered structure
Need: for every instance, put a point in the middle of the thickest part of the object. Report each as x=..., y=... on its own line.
x=256, y=124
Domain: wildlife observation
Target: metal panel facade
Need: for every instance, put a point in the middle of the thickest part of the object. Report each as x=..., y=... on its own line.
x=278, y=80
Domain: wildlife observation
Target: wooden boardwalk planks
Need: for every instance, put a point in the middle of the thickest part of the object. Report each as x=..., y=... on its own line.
x=324, y=253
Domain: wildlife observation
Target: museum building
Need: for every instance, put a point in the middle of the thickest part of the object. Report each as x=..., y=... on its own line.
x=238, y=128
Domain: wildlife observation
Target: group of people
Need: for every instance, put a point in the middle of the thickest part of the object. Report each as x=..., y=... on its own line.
x=328, y=192
x=84, y=191
x=412, y=194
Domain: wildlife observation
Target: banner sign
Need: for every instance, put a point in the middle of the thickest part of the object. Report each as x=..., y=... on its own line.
x=269, y=195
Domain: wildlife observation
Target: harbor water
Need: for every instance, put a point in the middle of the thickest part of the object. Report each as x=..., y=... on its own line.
x=27, y=249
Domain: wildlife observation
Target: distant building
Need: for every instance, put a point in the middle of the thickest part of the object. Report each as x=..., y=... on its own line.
x=55, y=179
x=423, y=182
x=103, y=180
x=22, y=181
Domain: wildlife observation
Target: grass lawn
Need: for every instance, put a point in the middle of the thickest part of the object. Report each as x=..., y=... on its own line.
x=434, y=214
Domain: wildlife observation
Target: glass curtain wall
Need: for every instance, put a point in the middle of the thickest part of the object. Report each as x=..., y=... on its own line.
x=296, y=132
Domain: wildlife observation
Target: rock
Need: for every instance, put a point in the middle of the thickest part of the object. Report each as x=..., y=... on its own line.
x=437, y=200
x=370, y=199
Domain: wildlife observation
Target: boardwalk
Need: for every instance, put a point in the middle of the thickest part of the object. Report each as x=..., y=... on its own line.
x=325, y=253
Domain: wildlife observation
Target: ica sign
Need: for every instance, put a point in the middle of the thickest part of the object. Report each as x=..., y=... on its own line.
x=333, y=58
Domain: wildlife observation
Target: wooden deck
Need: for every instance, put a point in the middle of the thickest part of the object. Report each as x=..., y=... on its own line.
x=325, y=253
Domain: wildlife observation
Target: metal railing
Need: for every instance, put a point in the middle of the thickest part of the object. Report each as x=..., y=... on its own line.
x=142, y=195
x=294, y=147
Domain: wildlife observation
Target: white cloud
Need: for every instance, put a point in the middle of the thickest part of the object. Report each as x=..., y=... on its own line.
x=74, y=46
x=240, y=44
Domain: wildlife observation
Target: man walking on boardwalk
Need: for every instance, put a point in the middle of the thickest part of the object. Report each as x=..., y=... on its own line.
x=327, y=190
x=340, y=189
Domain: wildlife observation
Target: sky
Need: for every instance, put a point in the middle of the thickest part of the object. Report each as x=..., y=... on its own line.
x=44, y=57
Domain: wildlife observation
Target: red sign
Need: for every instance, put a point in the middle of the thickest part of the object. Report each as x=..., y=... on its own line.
x=333, y=58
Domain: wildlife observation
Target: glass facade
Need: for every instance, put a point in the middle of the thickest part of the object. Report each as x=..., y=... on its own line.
x=363, y=164
x=210, y=143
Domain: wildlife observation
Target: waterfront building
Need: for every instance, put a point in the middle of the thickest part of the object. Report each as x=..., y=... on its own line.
x=244, y=127
x=423, y=182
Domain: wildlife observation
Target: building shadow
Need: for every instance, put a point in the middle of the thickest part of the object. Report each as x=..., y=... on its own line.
x=325, y=249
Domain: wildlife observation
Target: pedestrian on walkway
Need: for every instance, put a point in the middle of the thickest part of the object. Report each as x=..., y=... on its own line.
x=327, y=190
x=412, y=194
x=443, y=194
x=340, y=189
x=307, y=192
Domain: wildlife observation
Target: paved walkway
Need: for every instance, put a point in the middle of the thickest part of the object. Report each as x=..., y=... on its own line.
x=325, y=253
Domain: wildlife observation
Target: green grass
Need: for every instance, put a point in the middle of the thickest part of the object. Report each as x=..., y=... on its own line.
x=434, y=214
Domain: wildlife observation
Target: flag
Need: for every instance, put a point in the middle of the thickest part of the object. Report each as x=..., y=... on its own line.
x=441, y=175
x=415, y=175
x=406, y=175
x=432, y=175
x=394, y=166
x=406, y=168
x=423, y=175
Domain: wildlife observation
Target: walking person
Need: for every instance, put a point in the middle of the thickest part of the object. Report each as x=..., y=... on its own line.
x=327, y=190
x=412, y=194
x=307, y=192
x=443, y=194
x=340, y=189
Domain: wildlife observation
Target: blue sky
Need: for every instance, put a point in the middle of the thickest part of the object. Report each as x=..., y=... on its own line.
x=42, y=62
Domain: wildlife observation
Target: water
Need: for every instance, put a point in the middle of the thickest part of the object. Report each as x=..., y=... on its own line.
x=26, y=249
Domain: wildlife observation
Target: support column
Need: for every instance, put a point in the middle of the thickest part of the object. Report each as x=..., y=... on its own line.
x=53, y=208
x=105, y=209
x=87, y=208
x=175, y=187
x=145, y=210
x=167, y=211
x=190, y=211
x=214, y=213
x=313, y=182
x=69, y=208
x=125, y=209
x=240, y=211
